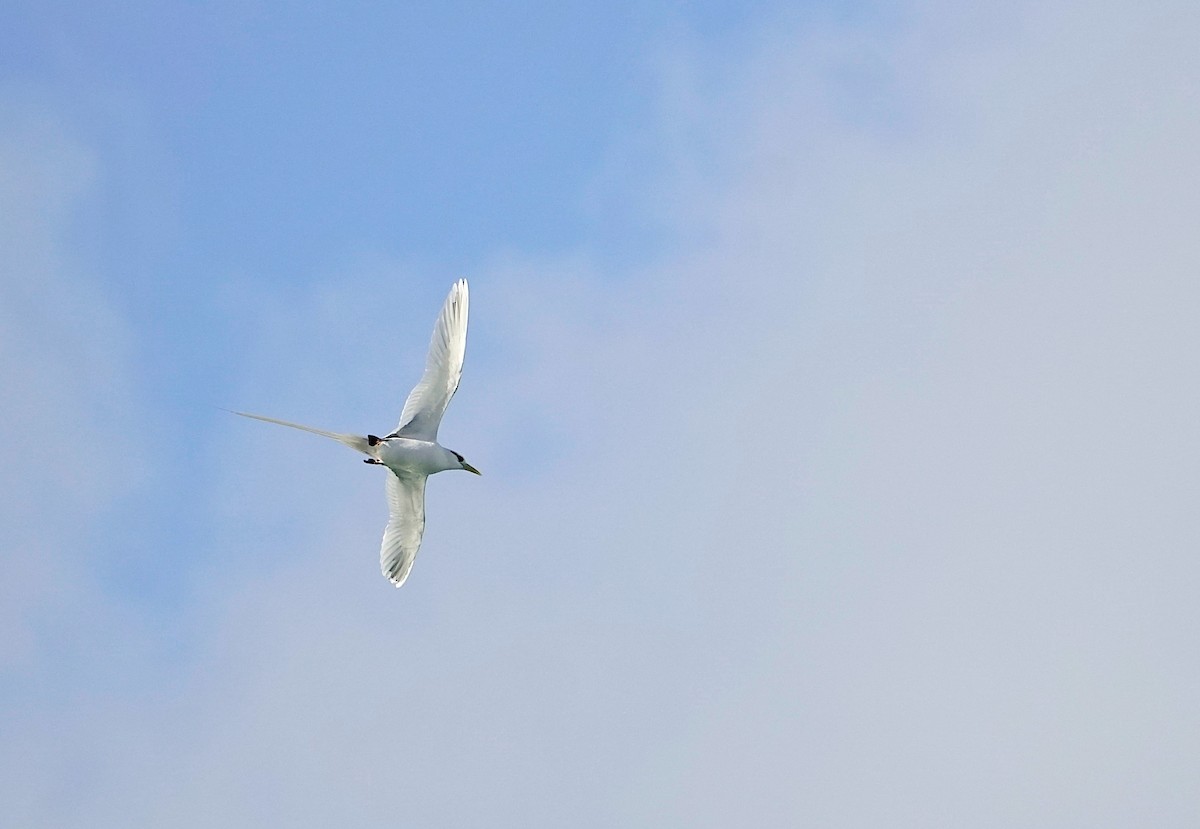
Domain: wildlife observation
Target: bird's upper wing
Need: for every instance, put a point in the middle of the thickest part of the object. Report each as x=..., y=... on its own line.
x=406, y=524
x=355, y=442
x=443, y=367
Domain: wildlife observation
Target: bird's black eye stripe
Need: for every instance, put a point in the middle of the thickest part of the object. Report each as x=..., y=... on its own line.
x=460, y=457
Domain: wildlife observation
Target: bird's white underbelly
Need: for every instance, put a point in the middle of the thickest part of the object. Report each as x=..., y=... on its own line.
x=414, y=456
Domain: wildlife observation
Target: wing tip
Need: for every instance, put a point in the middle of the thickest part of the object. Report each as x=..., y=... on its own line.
x=397, y=578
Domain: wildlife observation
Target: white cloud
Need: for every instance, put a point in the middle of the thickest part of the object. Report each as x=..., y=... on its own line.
x=64, y=362
x=68, y=457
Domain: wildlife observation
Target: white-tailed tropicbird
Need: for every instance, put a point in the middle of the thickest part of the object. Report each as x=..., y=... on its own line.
x=411, y=452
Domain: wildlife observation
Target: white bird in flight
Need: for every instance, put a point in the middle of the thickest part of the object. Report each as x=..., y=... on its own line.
x=411, y=453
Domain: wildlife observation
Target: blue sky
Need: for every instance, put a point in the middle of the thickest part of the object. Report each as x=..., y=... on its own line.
x=263, y=145
x=831, y=370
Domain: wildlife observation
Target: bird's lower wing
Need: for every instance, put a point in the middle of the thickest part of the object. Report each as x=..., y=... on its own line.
x=406, y=525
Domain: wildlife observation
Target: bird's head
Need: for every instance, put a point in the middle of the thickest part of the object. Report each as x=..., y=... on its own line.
x=465, y=465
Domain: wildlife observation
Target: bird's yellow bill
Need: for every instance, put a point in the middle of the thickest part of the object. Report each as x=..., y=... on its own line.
x=470, y=468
